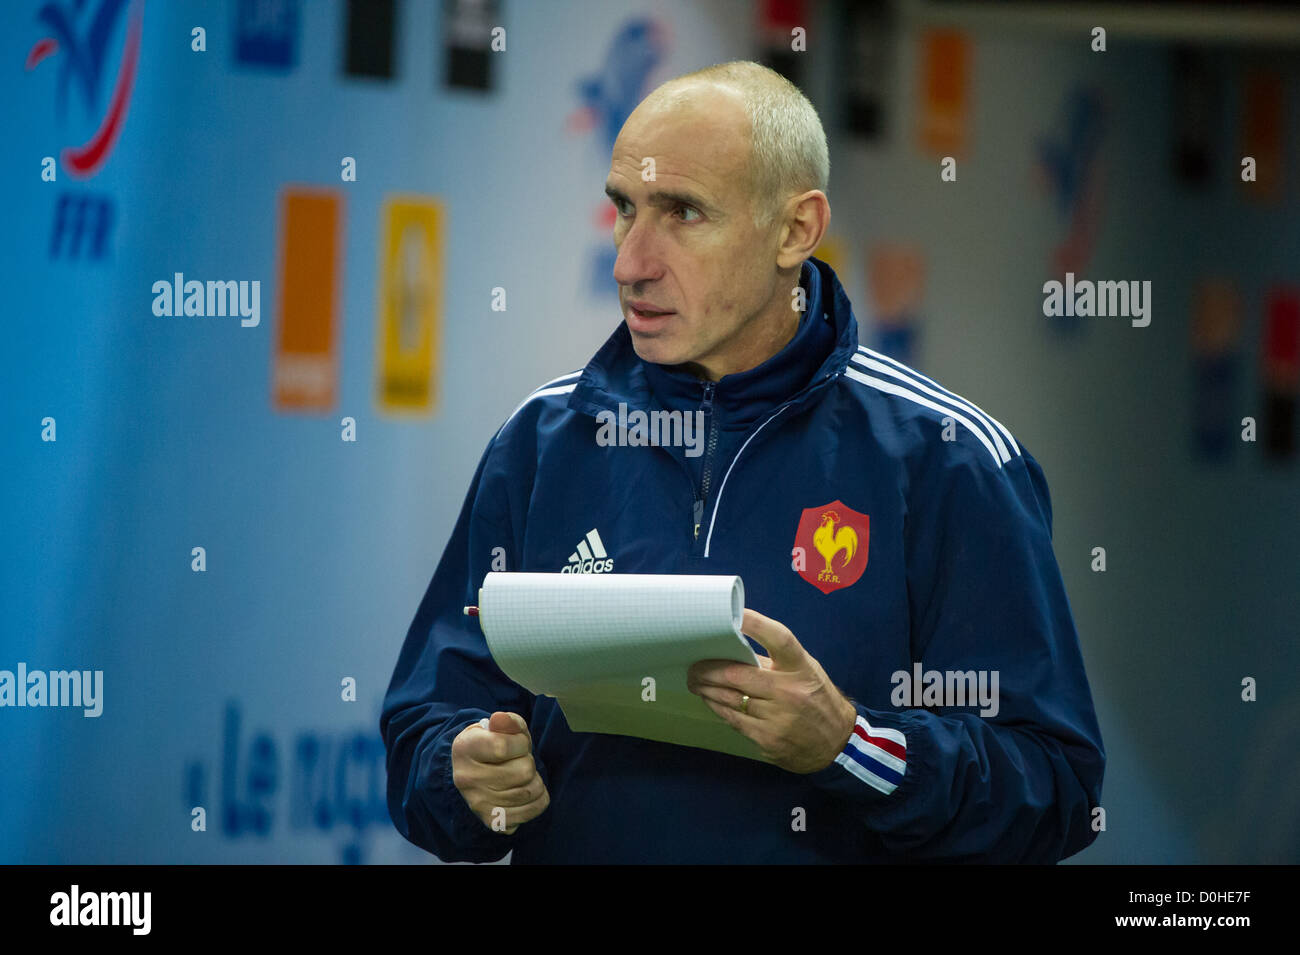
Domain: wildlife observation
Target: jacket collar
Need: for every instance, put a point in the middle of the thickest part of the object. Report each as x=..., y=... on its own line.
x=616, y=374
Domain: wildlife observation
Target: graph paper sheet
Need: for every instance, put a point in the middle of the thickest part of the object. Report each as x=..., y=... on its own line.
x=592, y=640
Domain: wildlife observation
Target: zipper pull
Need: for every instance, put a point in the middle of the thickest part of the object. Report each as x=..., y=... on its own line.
x=699, y=515
x=707, y=406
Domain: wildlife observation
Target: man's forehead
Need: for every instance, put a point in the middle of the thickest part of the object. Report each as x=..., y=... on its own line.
x=670, y=172
x=702, y=137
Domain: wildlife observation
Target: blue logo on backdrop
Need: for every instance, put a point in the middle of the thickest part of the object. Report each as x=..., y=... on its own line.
x=1071, y=168
x=332, y=782
x=82, y=225
x=606, y=100
x=266, y=33
x=78, y=38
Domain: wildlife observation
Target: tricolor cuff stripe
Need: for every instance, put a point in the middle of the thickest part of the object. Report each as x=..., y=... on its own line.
x=895, y=745
x=878, y=757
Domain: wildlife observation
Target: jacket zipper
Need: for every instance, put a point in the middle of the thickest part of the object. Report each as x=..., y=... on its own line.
x=752, y=435
x=706, y=406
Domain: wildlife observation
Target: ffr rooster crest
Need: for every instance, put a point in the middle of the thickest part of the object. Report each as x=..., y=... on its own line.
x=830, y=546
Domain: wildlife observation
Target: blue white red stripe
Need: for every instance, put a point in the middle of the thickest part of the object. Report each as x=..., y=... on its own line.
x=875, y=755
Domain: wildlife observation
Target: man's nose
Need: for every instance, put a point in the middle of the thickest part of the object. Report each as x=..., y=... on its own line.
x=638, y=255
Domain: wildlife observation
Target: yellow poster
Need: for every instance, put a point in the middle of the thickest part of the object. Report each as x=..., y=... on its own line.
x=831, y=251
x=410, y=303
x=305, y=373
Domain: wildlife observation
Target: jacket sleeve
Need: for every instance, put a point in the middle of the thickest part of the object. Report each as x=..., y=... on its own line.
x=446, y=679
x=1019, y=782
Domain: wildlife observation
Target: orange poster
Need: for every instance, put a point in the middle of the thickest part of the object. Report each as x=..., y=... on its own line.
x=945, y=92
x=1261, y=133
x=305, y=375
x=896, y=279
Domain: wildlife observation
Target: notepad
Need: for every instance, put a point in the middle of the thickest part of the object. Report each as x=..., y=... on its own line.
x=600, y=643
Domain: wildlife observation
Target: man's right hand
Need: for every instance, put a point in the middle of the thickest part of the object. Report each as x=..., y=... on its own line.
x=494, y=770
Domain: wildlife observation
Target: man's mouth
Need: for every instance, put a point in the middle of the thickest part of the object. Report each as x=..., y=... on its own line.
x=645, y=312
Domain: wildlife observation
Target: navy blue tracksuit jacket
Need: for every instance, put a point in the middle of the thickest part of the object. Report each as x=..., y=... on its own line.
x=893, y=526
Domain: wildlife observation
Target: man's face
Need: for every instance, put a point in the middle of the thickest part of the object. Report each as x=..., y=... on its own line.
x=687, y=243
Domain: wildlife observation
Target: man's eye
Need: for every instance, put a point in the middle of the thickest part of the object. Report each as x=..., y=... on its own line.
x=688, y=209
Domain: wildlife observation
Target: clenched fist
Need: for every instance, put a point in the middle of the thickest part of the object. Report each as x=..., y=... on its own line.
x=494, y=770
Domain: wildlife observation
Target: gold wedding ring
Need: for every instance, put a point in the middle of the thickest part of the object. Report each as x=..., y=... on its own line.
x=744, y=703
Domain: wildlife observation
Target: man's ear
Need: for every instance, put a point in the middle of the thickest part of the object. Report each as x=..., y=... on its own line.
x=806, y=219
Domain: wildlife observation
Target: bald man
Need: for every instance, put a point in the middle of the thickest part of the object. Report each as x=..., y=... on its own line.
x=920, y=694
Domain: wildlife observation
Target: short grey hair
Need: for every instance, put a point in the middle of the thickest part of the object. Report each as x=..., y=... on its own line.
x=789, y=153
